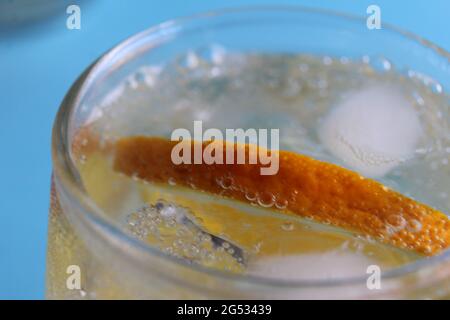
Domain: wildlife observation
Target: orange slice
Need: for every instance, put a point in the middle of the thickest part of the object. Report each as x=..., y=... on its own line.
x=303, y=186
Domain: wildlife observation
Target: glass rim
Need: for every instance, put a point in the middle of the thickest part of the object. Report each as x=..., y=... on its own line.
x=68, y=180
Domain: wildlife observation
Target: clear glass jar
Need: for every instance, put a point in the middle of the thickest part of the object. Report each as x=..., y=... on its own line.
x=113, y=264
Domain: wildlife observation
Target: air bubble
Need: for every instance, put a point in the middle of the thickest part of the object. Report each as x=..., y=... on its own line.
x=396, y=221
x=168, y=212
x=436, y=87
x=215, y=72
x=218, y=54
x=192, y=185
x=281, y=204
x=133, y=220
x=419, y=99
x=134, y=80
x=251, y=196
x=257, y=247
x=206, y=238
x=266, y=200
x=381, y=64
x=171, y=223
x=180, y=235
x=225, y=245
x=414, y=226
x=192, y=60
x=225, y=182
x=171, y=181
x=288, y=226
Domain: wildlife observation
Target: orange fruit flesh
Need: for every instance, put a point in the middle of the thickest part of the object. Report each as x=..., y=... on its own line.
x=302, y=186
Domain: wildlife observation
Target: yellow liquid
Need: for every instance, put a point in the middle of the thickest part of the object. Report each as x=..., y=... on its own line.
x=266, y=237
x=277, y=246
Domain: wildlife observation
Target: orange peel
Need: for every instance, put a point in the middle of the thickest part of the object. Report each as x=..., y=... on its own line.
x=303, y=186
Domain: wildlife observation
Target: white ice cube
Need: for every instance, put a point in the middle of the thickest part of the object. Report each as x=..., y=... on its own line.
x=372, y=130
x=314, y=266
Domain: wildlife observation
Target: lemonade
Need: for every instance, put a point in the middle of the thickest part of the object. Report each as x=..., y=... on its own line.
x=362, y=188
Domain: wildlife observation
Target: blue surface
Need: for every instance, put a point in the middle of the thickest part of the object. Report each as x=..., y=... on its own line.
x=39, y=62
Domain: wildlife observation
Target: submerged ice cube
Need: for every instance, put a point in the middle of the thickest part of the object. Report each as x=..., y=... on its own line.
x=372, y=130
x=312, y=266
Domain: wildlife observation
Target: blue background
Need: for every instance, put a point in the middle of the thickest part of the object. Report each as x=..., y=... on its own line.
x=39, y=62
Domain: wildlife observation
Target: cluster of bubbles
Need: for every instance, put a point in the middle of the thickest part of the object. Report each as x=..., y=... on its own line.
x=262, y=199
x=396, y=223
x=176, y=231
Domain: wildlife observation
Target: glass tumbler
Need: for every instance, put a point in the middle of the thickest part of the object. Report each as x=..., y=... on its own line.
x=91, y=257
